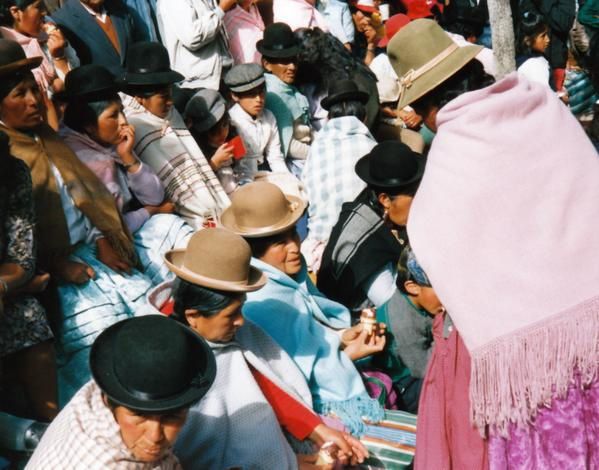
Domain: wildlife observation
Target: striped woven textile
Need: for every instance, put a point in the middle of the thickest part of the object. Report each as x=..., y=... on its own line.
x=391, y=442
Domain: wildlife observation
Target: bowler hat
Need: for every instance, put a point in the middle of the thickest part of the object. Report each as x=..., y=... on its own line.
x=152, y=364
x=148, y=64
x=260, y=209
x=205, y=109
x=216, y=258
x=279, y=42
x=343, y=90
x=391, y=165
x=88, y=83
x=424, y=56
x=244, y=77
x=13, y=58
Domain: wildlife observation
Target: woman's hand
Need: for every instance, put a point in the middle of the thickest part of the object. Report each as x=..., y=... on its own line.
x=56, y=41
x=124, y=148
x=410, y=118
x=74, y=272
x=351, y=450
x=222, y=156
x=308, y=462
x=107, y=255
x=350, y=334
x=167, y=207
x=365, y=345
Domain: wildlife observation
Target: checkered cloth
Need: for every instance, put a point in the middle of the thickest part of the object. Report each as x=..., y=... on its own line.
x=85, y=436
x=329, y=176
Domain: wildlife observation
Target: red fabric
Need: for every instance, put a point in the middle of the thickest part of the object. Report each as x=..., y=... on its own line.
x=168, y=307
x=298, y=420
x=559, y=76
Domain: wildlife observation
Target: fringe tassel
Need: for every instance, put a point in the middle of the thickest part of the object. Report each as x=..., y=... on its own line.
x=352, y=412
x=514, y=375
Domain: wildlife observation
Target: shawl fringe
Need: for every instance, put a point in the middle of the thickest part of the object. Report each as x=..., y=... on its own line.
x=353, y=412
x=515, y=375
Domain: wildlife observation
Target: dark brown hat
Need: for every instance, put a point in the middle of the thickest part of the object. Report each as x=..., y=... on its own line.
x=13, y=58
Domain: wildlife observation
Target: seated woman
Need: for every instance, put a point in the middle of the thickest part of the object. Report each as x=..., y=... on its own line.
x=25, y=338
x=359, y=262
x=104, y=272
x=163, y=142
x=97, y=131
x=257, y=385
x=122, y=419
x=312, y=329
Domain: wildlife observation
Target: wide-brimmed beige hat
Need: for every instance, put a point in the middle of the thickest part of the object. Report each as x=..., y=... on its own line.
x=218, y=259
x=424, y=56
x=260, y=209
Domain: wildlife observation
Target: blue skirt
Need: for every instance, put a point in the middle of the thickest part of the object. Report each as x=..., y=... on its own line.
x=88, y=309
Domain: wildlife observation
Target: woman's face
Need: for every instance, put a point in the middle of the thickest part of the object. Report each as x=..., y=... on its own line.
x=22, y=108
x=284, y=69
x=218, y=134
x=148, y=437
x=219, y=328
x=160, y=103
x=361, y=20
x=397, y=207
x=109, y=125
x=30, y=20
x=284, y=254
x=541, y=42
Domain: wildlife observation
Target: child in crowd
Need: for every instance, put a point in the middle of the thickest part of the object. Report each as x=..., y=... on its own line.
x=533, y=41
x=208, y=122
x=256, y=125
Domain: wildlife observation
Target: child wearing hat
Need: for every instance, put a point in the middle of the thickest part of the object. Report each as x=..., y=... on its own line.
x=256, y=125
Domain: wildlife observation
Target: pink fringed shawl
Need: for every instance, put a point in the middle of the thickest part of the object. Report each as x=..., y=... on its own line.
x=506, y=225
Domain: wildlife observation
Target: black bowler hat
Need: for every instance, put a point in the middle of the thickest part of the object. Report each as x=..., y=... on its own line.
x=89, y=83
x=391, y=165
x=279, y=42
x=343, y=90
x=152, y=364
x=13, y=58
x=148, y=64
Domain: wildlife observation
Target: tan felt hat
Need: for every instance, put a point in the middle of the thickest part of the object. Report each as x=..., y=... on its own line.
x=218, y=259
x=424, y=56
x=260, y=209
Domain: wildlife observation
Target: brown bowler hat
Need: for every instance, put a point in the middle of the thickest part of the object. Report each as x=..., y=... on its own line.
x=13, y=58
x=260, y=209
x=218, y=259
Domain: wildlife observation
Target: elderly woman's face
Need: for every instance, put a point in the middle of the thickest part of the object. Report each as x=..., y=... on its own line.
x=148, y=437
x=284, y=69
x=219, y=328
x=22, y=108
x=284, y=254
x=29, y=20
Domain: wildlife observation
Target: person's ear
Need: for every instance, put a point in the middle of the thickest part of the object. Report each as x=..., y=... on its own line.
x=192, y=318
x=266, y=65
x=139, y=100
x=384, y=200
x=15, y=12
x=412, y=288
x=234, y=97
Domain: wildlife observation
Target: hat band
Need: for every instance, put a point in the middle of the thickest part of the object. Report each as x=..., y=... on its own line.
x=278, y=47
x=411, y=75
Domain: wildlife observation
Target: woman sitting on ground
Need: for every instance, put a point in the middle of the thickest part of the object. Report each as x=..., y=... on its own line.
x=104, y=272
x=359, y=263
x=25, y=338
x=257, y=385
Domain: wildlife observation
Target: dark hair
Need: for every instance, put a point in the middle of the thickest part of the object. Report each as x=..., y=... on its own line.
x=81, y=114
x=592, y=61
x=469, y=78
x=348, y=108
x=465, y=28
x=259, y=245
x=147, y=91
x=208, y=302
x=6, y=18
x=531, y=24
x=323, y=59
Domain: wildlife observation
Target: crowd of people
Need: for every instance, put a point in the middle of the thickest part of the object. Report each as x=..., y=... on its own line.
x=298, y=234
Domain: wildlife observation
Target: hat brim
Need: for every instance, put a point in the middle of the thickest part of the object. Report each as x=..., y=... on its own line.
x=362, y=169
x=228, y=221
x=174, y=261
x=90, y=95
x=153, y=78
x=20, y=65
x=247, y=86
x=292, y=51
x=358, y=95
x=438, y=74
x=102, y=360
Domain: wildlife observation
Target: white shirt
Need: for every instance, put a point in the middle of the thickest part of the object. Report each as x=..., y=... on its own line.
x=101, y=16
x=261, y=139
x=536, y=69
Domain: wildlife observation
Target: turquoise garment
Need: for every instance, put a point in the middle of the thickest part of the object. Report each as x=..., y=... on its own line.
x=88, y=309
x=581, y=94
x=288, y=105
x=294, y=313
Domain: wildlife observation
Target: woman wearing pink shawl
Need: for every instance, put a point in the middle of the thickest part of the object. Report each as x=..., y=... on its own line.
x=515, y=182
x=245, y=28
x=298, y=14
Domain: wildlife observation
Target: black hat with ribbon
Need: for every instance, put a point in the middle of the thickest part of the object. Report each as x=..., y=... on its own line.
x=343, y=90
x=148, y=64
x=90, y=82
x=152, y=364
x=279, y=42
